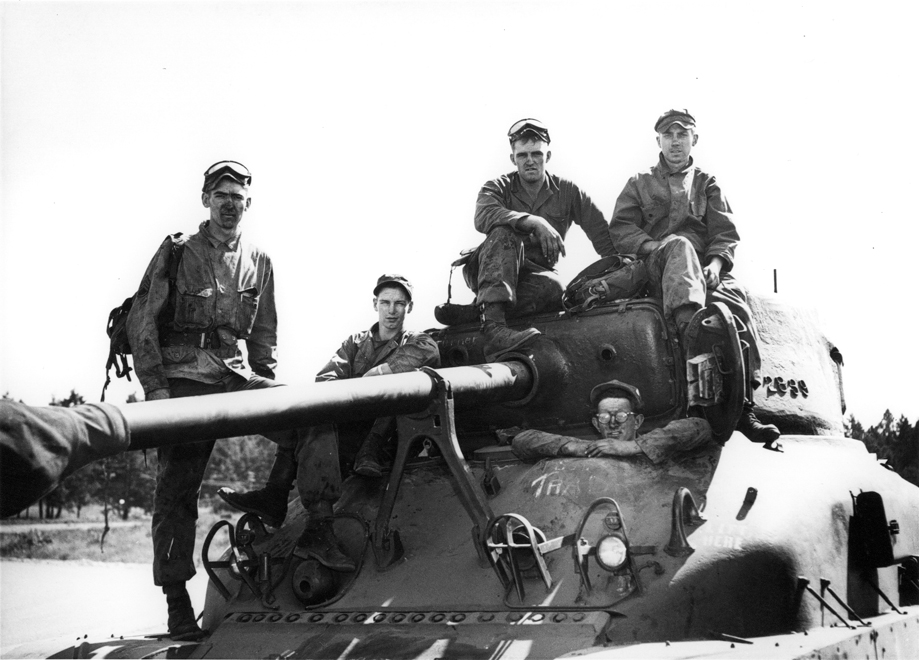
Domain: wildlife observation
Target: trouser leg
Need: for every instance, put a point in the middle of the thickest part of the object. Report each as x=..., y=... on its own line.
x=318, y=471
x=733, y=295
x=676, y=276
x=494, y=268
x=180, y=470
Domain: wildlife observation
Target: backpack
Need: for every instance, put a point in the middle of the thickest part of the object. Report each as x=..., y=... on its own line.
x=612, y=278
x=117, y=327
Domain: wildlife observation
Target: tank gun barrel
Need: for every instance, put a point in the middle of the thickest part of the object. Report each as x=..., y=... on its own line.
x=174, y=421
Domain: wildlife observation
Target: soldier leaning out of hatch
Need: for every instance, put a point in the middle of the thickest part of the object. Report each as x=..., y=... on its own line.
x=677, y=218
x=218, y=293
x=386, y=348
x=526, y=215
x=617, y=420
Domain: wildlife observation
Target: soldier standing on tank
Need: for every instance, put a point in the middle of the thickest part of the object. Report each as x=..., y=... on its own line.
x=677, y=218
x=386, y=348
x=189, y=316
x=525, y=215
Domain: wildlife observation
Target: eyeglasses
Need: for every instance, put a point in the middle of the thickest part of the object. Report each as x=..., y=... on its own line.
x=529, y=125
x=619, y=417
x=237, y=170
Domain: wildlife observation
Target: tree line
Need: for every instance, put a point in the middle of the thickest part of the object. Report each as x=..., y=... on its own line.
x=126, y=481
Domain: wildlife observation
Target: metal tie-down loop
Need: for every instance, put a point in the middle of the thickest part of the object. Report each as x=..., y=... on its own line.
x=683, y=511
x=437, y=425
x=500, y=545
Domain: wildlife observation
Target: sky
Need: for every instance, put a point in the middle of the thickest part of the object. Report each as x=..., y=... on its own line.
x=370, y=126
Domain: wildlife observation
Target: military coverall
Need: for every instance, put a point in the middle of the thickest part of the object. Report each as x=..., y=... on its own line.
x=41, y=446
x=224, y=294
x=509, y=267
x=687, y=211
x=360, y=353
x=658, y=445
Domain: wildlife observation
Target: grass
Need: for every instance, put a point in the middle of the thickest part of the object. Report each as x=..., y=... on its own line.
x=131, y=543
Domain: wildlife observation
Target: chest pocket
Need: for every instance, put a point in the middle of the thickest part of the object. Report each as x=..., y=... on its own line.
x=246, y=311
x=698, y=205
x=194, y=309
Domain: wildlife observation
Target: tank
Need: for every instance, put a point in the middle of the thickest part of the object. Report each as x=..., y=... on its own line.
x=807, y=548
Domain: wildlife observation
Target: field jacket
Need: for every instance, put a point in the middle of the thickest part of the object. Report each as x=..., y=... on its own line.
x=223, y=289
x=360, y=353
x=658, y=203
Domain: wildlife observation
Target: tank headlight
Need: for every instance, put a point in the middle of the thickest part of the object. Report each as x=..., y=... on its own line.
x=612, y=553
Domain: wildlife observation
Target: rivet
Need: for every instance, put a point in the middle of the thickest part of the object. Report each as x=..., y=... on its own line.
x=258, y=617
x=558, y=618
x=244, y=618
x=398, y=618
x=417, y=618
x=513, y=616
x=580, y=616
x=275, y=617
x=379, y=617
x=437, y=618
x=486, y=617
x=314, y=618
x=456, y=618
x=537, y=617
x=341, y=617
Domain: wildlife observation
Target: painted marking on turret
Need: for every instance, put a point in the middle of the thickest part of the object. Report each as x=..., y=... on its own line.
x=551, y=485
x=724, y=536
x=779, y=386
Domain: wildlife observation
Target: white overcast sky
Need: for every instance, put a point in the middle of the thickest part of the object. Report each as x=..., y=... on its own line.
x=369, y=127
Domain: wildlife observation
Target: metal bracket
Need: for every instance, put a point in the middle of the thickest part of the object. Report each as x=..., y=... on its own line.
x=436, y=424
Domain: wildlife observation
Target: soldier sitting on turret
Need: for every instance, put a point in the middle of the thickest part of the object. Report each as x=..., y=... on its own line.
x=525, y=215
x=676, y=216
x=617, y=420
x=386, y=348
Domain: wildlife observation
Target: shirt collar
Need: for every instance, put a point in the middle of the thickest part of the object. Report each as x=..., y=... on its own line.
x=549, y=182
x=216, y=242
x=664, y=169
x=375, y=333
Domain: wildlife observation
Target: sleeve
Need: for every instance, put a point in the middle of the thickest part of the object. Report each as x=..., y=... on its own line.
x=678, y=436
x=491, y=209
x=339, y=367
x=262, y=343
x=531, y=445
x=590, y=218
x=41, y=446
x=624, y=228
x=719, y=219
x=143, y=333
x=417, y=350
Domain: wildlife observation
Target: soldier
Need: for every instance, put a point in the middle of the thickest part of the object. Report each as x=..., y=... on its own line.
x=386, y=348
x=189, y=316
x=40, y=446
x=677, y=218
x=617, y=420
x=526, y=215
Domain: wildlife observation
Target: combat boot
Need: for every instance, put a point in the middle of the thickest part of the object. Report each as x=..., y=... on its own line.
x=268, y=503
x=318, y=541
x=498, y=337
x=369, y=459
x=754, y=429
x=182, y=624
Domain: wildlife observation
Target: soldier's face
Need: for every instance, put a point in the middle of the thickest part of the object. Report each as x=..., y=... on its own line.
x=530, y=156
x=676, y=144
x=605, y=419
x=228, y=201
x=392, y=304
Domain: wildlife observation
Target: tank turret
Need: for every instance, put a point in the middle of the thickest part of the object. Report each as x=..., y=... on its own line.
x=465, y=551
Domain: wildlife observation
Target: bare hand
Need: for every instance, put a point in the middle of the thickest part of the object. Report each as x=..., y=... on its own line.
x=712, y=272
x=545, y=235
x=648, y=247
x=613, y=448
x=157, y=395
